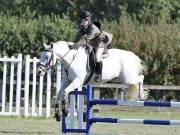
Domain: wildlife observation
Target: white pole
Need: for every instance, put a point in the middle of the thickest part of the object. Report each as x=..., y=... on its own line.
x=11, y=87
x=26, y=95
x=48, y=94
x=4, y=85
x=18, y=84
x=40, y=95
x=34, y=87
x=80, y=111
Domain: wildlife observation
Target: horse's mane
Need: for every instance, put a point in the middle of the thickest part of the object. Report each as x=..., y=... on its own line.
x=67, y=43
x=70, y=43
x=63, y=42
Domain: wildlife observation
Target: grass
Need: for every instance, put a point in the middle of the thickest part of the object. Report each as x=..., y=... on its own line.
x=42, y=126
x=28, y=126
x=138, y=129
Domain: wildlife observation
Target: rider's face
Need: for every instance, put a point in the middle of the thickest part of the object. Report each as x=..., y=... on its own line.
x=85, y=22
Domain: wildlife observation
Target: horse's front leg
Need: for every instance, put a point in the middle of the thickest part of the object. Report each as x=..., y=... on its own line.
x=60, y=95
x=76, y=83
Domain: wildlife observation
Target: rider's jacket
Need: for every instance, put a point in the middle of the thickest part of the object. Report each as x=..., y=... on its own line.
x=93, y=36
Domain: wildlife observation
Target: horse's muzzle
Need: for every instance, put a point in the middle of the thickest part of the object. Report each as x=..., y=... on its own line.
x=40, y=72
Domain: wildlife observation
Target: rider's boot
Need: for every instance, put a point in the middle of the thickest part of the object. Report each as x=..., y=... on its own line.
x=57, y=112
x=98, y=71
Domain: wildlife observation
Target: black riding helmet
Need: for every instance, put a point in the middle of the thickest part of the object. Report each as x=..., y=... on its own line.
x=85, y=14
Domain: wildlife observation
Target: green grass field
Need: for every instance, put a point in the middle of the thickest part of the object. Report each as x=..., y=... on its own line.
x=43, y=126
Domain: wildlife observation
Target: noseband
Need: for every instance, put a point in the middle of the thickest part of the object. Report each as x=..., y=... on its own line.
x=47, y=65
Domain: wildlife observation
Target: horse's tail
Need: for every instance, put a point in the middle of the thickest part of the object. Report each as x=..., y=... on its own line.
x=141, y=65
x=142, y=93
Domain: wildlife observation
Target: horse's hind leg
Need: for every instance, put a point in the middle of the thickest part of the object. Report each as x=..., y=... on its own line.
x=133, y=92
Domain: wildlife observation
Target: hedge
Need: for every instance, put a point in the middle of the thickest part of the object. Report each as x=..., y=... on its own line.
x=26, y=34
x=157, y=45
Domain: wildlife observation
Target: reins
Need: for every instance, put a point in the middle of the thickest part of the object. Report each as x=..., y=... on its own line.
x=61, y=61
x=67, y=67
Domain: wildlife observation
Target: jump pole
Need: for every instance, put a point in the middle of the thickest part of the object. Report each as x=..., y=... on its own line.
x=90, y=119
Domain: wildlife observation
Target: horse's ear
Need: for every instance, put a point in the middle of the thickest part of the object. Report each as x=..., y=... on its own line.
x=46, y=46
x=51, y=44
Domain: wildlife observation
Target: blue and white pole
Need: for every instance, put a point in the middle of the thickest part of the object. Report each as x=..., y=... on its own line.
x=136, y=121
x=134, y=103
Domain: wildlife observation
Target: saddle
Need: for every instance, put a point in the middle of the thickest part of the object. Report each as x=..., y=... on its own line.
x=91, y=61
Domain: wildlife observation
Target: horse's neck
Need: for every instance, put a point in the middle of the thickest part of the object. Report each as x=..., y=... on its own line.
x=68, y=55
x=76, y=55
x=76, y=59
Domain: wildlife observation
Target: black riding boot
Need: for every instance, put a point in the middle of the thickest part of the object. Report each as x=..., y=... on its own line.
x=98, y=71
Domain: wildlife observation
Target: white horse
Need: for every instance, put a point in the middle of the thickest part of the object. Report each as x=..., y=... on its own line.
x=123, y=65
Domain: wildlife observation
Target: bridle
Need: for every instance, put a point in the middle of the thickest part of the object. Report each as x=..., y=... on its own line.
x=47, y=66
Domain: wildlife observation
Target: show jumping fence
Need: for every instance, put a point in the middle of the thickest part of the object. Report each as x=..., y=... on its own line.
x=33, y=85
x=90, y=119
x=13, y=62
x=22, y=92
x=34, y=88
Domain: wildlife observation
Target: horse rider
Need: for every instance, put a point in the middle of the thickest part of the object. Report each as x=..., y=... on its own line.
x=95, y=37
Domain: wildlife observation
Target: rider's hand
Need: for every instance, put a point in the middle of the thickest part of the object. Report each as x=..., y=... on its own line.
x=83, y=45
x=73, y=46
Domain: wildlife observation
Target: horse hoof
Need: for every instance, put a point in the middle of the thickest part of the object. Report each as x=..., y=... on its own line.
x=57, y=116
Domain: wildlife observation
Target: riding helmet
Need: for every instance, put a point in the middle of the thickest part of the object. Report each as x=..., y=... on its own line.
x=85, y=14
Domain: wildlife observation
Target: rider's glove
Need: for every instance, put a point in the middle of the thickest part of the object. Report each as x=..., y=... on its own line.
x=73, y=46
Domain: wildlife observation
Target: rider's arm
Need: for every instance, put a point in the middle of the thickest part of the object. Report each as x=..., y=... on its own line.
x=76, y=40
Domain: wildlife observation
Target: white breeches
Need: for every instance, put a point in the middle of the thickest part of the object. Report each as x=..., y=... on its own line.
x=99, y=52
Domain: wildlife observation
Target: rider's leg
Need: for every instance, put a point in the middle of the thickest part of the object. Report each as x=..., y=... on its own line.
x=98, y=71
x=99, y=65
